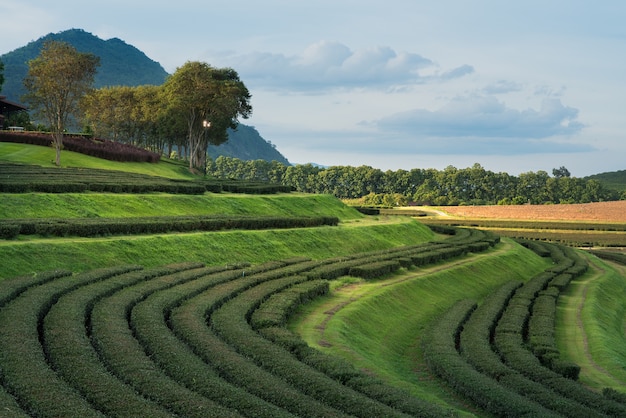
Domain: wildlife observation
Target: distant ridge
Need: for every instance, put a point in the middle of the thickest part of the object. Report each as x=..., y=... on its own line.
x=122, y=64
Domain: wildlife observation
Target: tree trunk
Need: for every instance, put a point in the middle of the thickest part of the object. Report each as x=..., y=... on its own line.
x=58, y=144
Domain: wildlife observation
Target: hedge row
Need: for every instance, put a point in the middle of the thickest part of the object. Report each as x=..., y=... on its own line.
x=276, y=310
x=21, y=178
x=527, y=224
x=440, y=344
x=269, y=319
x=92, y=227
x=615, y=256
x=229, y=321
x=513, y=331
x=95, y=147
x=475, y=346
x=493, y=341
x=124, y=356
x=188, y=321
x=149, y=323
x=72, y=355
x=25, y=370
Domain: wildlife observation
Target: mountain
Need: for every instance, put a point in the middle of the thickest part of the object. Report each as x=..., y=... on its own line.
x=246, y=143
x=122, y=64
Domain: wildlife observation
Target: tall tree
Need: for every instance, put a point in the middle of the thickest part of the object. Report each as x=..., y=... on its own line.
x=210, y=100
x=55, y=82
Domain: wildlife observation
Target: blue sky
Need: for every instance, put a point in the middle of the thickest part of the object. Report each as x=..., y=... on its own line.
x=399, y=84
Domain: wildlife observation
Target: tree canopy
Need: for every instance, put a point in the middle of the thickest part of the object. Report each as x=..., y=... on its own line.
x=57, y=79
x=451, y=186
x=209, y=100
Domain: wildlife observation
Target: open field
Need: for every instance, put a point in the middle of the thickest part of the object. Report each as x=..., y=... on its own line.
x=601, y=224
x=584, y=212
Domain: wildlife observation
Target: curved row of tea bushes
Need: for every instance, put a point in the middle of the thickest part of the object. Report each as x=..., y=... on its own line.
x=615, y=256
x=26, y=373
x=9, y=290
x=92, y=227
x=72, y=355
x=230, y=322
x=496, y=338
x=540, y=331
x=126, y=341
x=149, y=323
x=126, y=358
x=461, y=242
x=512, y=330
x=278, y=307
x=440, y=345
x=269, y=320
x=189, y=322
x=475, y=346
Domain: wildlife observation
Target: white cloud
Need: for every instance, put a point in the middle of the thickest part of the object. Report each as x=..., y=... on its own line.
x=483, y=116
x=327, y=65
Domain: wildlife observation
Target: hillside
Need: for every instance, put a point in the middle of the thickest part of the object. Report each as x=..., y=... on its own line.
x=613, y=180
x=245, y=143
x=122, y=64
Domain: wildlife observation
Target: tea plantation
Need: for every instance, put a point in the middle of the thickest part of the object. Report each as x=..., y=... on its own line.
x=161, y=298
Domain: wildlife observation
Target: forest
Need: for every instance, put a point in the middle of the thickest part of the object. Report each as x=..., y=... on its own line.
x=452, y=186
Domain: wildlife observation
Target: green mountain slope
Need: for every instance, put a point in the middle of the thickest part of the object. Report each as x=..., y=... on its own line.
x=246, y=143
x=615, y=180
x=122, y=64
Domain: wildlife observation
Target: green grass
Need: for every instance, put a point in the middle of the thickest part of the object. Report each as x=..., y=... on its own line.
x=377, y=326
x=590, y=325
x=23, y=257
x=44, y=156
x=89, y=205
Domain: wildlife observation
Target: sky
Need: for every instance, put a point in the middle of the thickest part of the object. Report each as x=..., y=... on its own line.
x=398, y=84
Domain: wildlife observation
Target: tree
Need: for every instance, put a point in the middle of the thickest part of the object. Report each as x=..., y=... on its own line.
x=210, y=100
x=1, y=75
x=55, y=82
x=560, y=172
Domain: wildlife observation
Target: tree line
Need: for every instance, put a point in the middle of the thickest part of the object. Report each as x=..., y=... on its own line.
x=193, y=108
x=452, y=186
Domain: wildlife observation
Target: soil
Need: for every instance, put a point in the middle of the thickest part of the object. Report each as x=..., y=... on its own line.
x=595, y=212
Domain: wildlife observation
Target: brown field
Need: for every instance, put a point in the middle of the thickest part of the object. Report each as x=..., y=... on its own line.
x=590, y=212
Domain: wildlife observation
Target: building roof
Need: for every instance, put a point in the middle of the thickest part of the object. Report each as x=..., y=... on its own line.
x=7, y=106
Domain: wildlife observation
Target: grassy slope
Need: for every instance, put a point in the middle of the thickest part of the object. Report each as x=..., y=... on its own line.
x=377, y=326
x=44, y=156
x=26, y=255
x=590, y=325
x=86, y=205
x=355, y=331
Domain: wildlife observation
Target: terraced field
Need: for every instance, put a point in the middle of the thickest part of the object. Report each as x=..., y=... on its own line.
x=179, y=340
x=201, y=323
